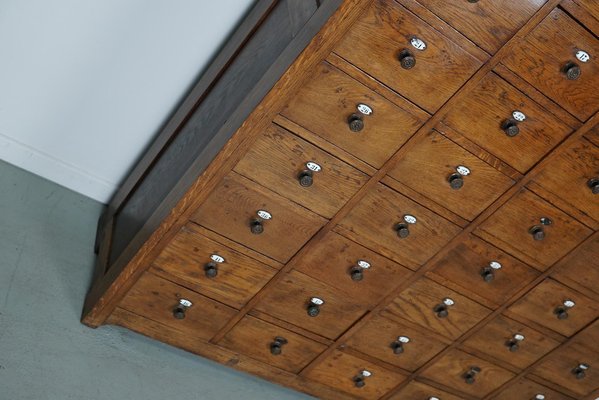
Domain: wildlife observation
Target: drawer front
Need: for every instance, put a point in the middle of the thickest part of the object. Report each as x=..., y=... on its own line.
x=581, y=266
x=380, y=43
x=561, y=367
x=434, y=167
x=588, y=337
x=396, y=343
x=382, y=222
x=456, y=368
x=328, y=103
x=489, y=117
x=272, y=345
x=232, y=209
x=549, y=305
x=159, y=300
x=345, y=265
x=211, y=268
x=487, y=23
x=526, y=389
x=290, y=300
x=574, y=176
x=436, y=308
x=345, y=372
x=419, y=391
x=518, y=228
x=548, y=56
x=484, y=270
x=511, y=342
x=301, y=172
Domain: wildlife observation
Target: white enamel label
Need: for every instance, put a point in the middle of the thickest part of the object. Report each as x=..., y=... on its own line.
x=448, y=302
x=364, y=109
x=433, y=398
x=312, y=166
x=569, y=303
x=365, y=373
x=185, y=302
x=519, y=337
x=363, y=264
x=404, y=339
x=217, y=259
x=317, y=301
x=418, y=43
x=264, y=214
x=519, y=116
x=495, y=265
x=462, y=170
x=410, y=219
x=540, y=397
x=584, y=366
x=583, y=56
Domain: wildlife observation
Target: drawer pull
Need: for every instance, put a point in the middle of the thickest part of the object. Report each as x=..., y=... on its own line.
x=276, y=347
x=356, y=272
x=593, y=184
x=580, y=371
x=488, y=272
x=256, y=227
x=537, y=232
x=456, y=181
x=514, y=343
x=398, y=345
x=211, y=270
x=356, y=122
x=360, y=379
x=572, y=71
x=181, y=308
x=562, y=311
x=407, y=59
x=442, y=309
x=470, y=375
x=510, y=128
x=402, y=230
x=314, y=306
x=305, y=178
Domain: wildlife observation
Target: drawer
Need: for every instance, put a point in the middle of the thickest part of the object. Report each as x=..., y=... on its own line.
x=526, y=389
x=467, y=373
x=547, y=59
x=301, y=172
x=345, y=265
x=419, y=391
x=449, y=175
x=574, y=177
x=477, y=267
x=436, y=308
x=211, y=268
x=591, y=6
x=290, y=300
x=487, y=117
x=167, y=303
x=557, y=307
x=396, y=343
x=394, y=46
x=562, y=365
x=511, y=342
x=533, y=230
x=233, y=209
x=349, y=374
x=272, y=345
x=396, y=227
x=489, y=24
x=327, y=103
x=588, y=337
x=581, y=266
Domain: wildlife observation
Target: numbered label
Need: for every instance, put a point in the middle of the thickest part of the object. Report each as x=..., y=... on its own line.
x=448, y=302
x=312, y=166
x=185, y=303
x=403, y=339
x=365, y=373
x=519, y=116
x=317, y=301
x=410, y=219
x=495, y=265
x=519, y=337
x=418, y=43
x=462, y=170
x=569, y=303
x=364, y=109
x=363, y=264
x=264, y=214
x=583, y=56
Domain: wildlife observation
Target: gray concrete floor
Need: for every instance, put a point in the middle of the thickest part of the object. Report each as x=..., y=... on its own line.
x=46, y=258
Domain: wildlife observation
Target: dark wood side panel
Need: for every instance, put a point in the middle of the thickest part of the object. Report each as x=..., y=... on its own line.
x=195, y=138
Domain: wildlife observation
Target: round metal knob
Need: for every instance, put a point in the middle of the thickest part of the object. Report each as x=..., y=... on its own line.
x=513, y=346
x=561, y=313
x=359, y=382
x=456, y=181
x=211, y=270
x=572, y=71
x=276, y=347
x=356, y=273
x=397, y=347
x=256, y=227
x=488, y=274
x=402, y=231
x=580, y=371
x=537, y=232
x=356, y=122
x=441, y=310
x=510, y=128
x=593, y=184
x=470, y=375
x=306, y=179
x=179, y=312
x=407, y=59
x=313, y=310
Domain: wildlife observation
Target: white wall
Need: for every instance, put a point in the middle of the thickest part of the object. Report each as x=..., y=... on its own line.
x=85, y=84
